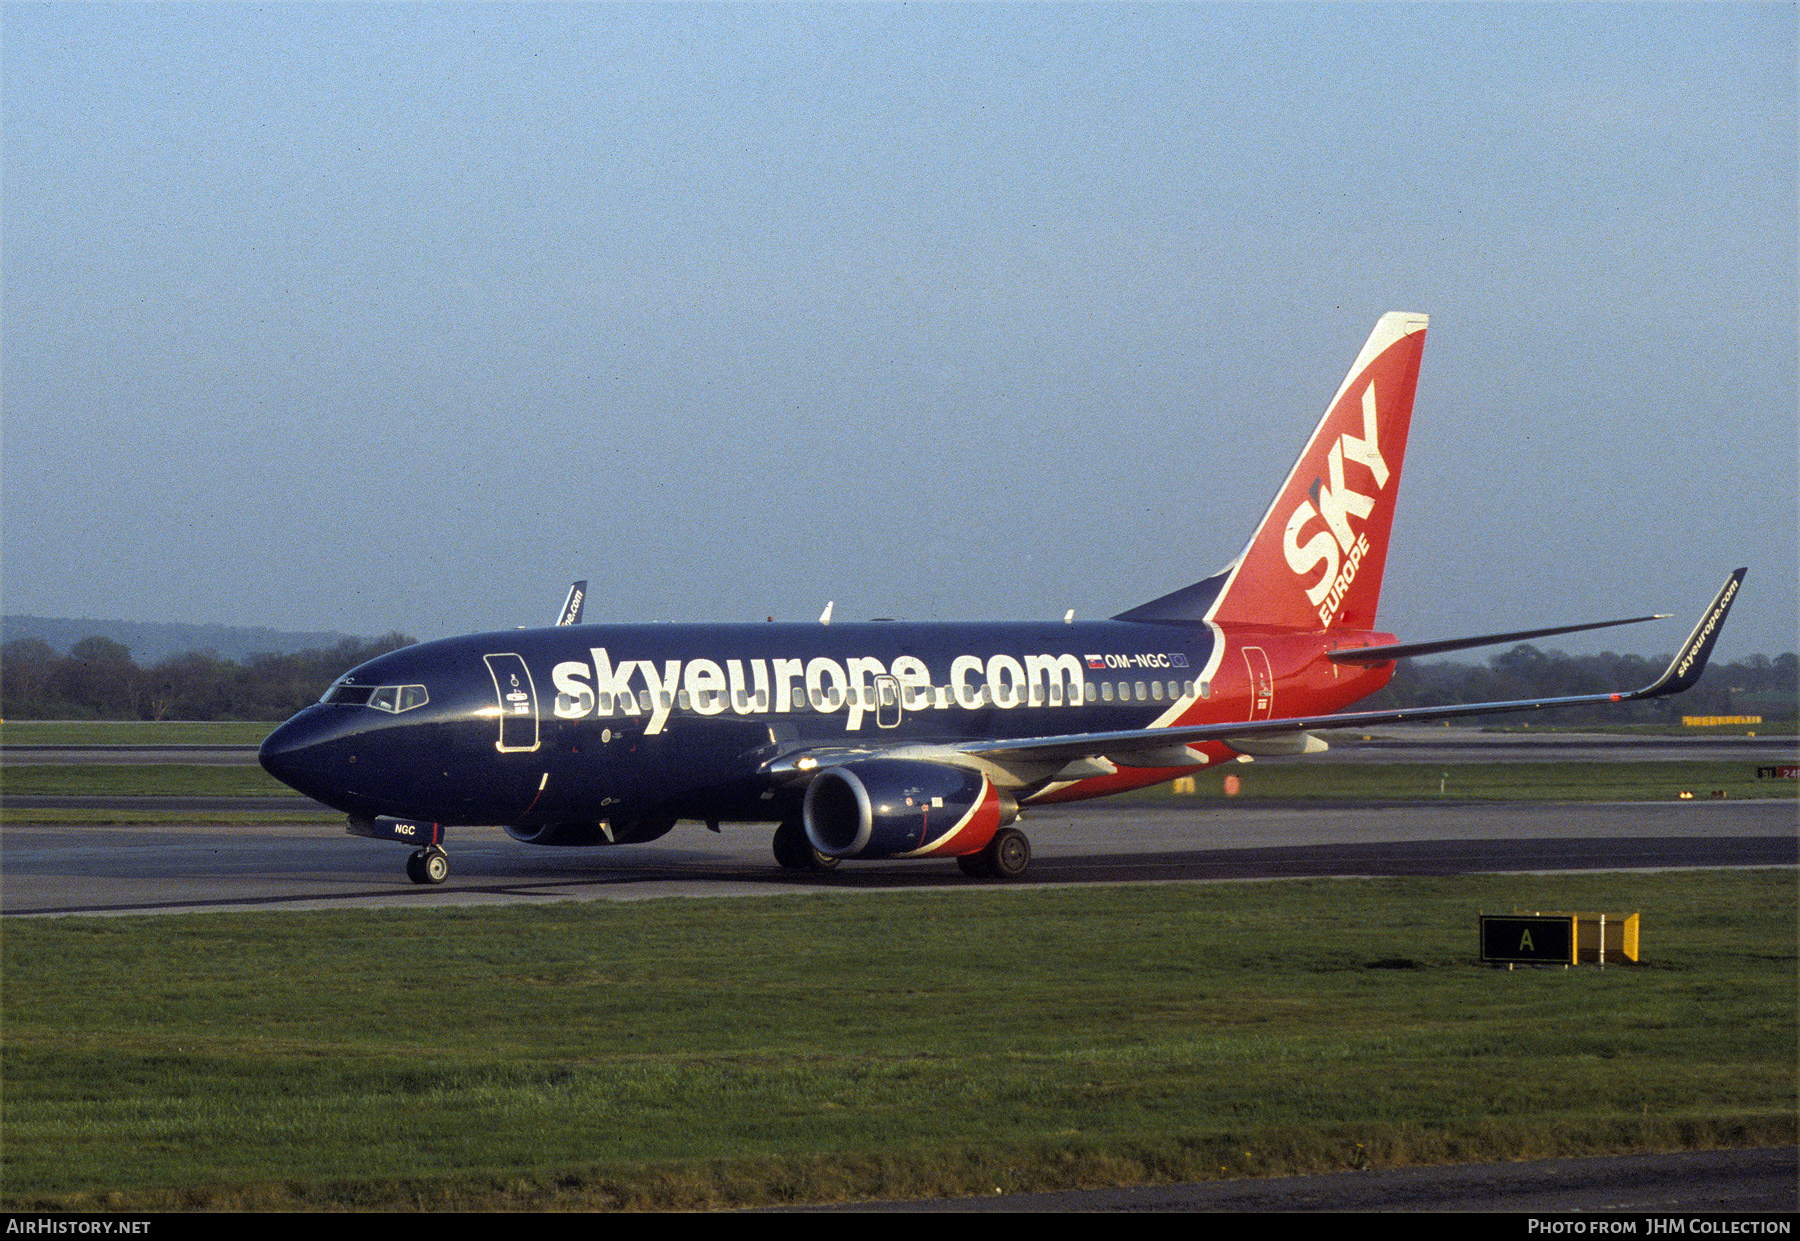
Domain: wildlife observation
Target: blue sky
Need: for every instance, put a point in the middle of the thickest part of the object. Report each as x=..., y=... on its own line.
x=402, y=316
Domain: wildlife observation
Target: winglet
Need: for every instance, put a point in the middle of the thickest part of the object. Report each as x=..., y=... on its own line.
x=1690, y=661
x=571, y=608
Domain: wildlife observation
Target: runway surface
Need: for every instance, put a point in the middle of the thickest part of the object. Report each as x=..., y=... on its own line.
x=71, y=869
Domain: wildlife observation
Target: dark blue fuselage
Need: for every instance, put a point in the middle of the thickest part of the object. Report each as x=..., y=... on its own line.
x=584, y=722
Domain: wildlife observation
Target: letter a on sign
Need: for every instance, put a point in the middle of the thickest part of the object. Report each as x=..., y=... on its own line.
x=1535, y=939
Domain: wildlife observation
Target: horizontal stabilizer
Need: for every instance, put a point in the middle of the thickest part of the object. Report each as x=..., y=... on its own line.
x=1406, y=650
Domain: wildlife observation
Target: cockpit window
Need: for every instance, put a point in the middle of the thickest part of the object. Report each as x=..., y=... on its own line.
x=390, y=698
x=398, y=698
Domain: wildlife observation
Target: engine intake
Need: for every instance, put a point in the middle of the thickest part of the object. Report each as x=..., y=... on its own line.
x=895, y=807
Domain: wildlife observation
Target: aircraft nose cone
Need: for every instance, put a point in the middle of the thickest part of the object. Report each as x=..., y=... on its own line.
x=302, y=754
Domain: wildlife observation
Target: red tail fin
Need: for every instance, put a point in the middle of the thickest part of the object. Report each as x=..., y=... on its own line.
x=1317, y=558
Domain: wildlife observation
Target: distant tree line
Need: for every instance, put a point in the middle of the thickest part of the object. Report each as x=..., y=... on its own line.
x=1754, y=685
x=98, y=679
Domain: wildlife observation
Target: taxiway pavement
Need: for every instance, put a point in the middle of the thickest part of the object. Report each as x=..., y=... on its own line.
x=72, y=869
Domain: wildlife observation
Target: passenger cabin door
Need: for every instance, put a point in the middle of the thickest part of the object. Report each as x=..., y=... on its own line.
x=517, y=697
x=1262, y=683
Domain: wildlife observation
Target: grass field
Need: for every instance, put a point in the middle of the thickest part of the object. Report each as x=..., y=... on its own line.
x=1596, y=781
x=824, y=1047
x=133, y=732
x=143, y=780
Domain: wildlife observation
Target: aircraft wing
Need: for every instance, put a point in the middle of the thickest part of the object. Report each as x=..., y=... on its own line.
x=1033, y=757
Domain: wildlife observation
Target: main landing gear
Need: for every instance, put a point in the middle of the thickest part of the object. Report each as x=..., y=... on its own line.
x=1007, y=856
x=793, y=851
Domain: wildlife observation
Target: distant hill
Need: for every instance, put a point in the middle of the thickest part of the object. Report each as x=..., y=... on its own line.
x=151, y=643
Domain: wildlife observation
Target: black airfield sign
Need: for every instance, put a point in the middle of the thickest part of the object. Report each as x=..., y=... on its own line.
x=1528, y=939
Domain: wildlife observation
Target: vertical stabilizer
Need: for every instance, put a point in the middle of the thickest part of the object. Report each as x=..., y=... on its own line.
x=1316, y=560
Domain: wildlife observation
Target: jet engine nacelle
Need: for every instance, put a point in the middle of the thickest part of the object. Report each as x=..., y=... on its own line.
x=895, y=807
x=633, y=831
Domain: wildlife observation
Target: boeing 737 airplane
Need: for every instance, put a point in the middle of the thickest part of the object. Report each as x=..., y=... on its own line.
x=891, y=740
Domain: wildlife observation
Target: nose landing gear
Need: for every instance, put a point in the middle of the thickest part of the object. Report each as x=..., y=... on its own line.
x=428, y=865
